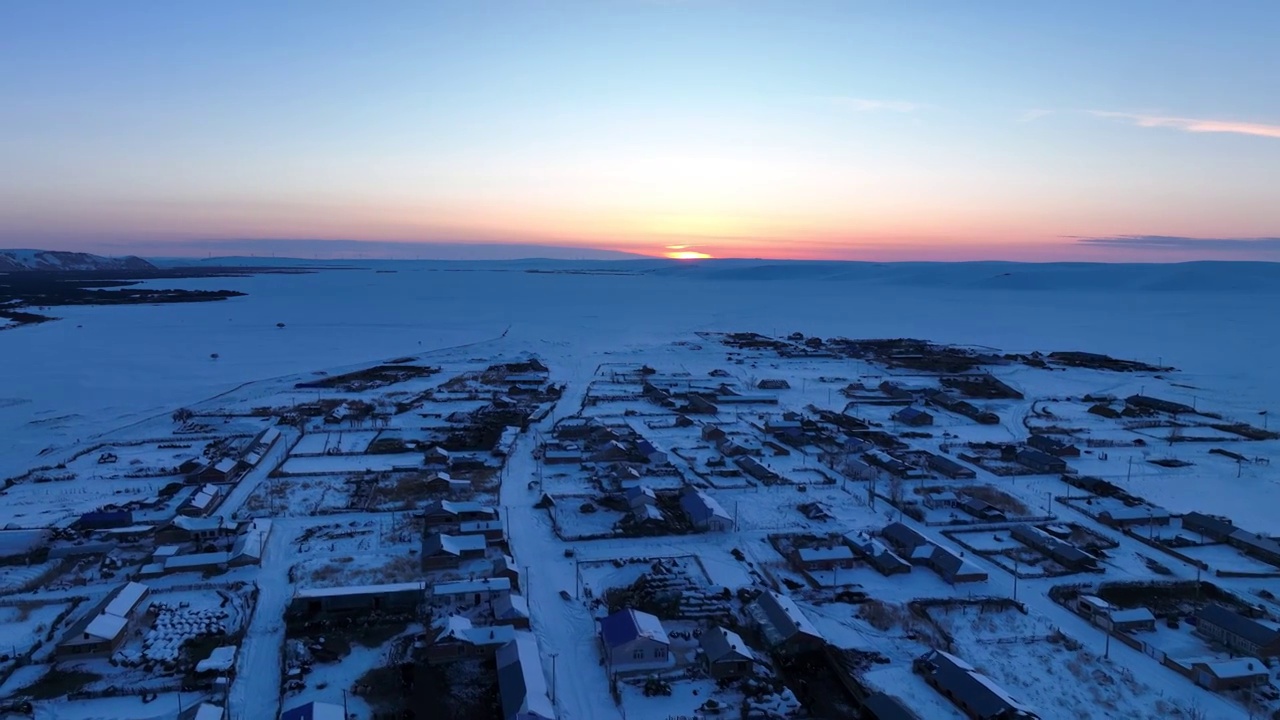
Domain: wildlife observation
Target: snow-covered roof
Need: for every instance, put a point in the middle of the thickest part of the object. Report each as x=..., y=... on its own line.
x=782, y=618
x=196, y=560
x=126, y=599
x=17, y=542
x=649, y=512
x=511, y=607
x=819, y=554
x=220, y=660
x=106, y=627
x=1132, y=615
x=441, y=544
x=252, y=543
x=225, y=465
x=460, y=629
x=202, y=524
x=165, y=551
x=209, y=711
x=701, y=506
x=720, y=644
x=463, y=587
x=521, y=682
x=478, y=526
x=358, y=590
x=1241, y=667
x=627, y=624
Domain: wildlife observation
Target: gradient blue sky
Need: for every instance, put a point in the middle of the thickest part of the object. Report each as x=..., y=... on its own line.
x=862, y=130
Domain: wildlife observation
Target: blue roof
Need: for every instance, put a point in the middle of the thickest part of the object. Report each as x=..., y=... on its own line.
x=908, y=413
x=626, y=625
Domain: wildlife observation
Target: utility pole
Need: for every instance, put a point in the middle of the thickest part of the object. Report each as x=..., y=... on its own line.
x=1107, y=653
x=553, y=676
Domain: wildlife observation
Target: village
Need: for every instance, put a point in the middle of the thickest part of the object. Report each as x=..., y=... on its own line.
x=732, y=525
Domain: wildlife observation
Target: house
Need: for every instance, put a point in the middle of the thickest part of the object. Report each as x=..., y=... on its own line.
x=612, y=451
x=725, y=654
x=260, y=446
x=224, y=470
x=104, y=628
x=202, y=502
x=1233, y=674
x=649, y=514
x=1255, y=545
x=953, y=568
x=1239, y=633
x=448, y=552
x=982, y=510
x=562, y=455
x=436, y=456
x=490, y=530
x=205, y=711
x=822, y=558
x=448, y=513
x=949, y=468
x=471, y=591
x=1210, y=527
x=789, y=429
x=1060, y=551
x=913, y=417
x=903, y=538
x=522, y=686
x=635, y=640
x=704, y=511
x=650, y=453
x=200, y=530
x=640, y=496
x=315, y=711
x=454, y=637
x=940, y=500
x=783, y=626
x=1132, y=620
x=1114, y=513
x=443, y=482
x=881, y=706
x=1040, y=462
x=773, y=384
x=975, y=694
x=331, y=602
x=505, y=566
x=876, y=554
x=1053, y=446
x=511, y=609
x=713, y=433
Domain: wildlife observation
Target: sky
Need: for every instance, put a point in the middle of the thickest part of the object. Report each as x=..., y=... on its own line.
x=932, y=130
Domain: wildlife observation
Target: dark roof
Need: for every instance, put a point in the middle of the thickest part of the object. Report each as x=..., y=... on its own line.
x=1039, y=458
x=903, y=536
x=626, y=625
x=887, y=707
x=907, y=414
x=1207, y=524
x=1045, y=443
x=1256, y=542
x=1237, y=624
x=947, y=466
x=972, y=689
x=720, y=645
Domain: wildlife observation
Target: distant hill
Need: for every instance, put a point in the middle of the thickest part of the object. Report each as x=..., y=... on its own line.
x=52, y=260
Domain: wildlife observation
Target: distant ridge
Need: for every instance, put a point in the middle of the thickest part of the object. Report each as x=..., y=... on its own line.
x=58, y=260
x=283, y=250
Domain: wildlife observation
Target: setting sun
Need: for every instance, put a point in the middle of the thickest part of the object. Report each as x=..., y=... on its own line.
x=687, y=255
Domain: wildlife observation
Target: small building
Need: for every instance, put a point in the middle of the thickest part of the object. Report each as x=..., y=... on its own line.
x=1255, y=545
x=612, y=451
x=953, y=568
x=1041, y=462
x=1053, y=446
x=224, y=470
x=713, y=433
x=522, y=686
x=704, y=511
x=443, y=482
x=650, y=453
x=1233, y=674
x=977, y=695
x=104, y=628
x=200, y=530
x=1132, y=620
x=448, y=552
x=783, y=626
x=202, y=502
x=949, y=468
x=882, y=706
x=982, y=510
x=773, y=384
x=563, y=455
x=913, y=417
x=1060, y=551
x=725, y=654
x=635, y=640
x=490, y=530
x=454, y=637
x=640, y=495
x=505, y=566
x=941, y=499
x=1210, y=527
x=822, y=558
x=471, y=591
x=876, y=554
x=1237, y=632
x=1114, y=513
x=315, y=711
x=356, y=600
x=511, y=609
x=903, y=538
x=448, y=513
x=436, y=456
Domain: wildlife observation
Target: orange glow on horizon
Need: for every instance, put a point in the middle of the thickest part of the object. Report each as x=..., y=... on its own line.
x=687, y=255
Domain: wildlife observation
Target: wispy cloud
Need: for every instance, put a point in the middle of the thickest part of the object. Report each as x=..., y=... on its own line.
x=1194, y=125
x=1033, y=114
x=1173, y=242
x=869, y=105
